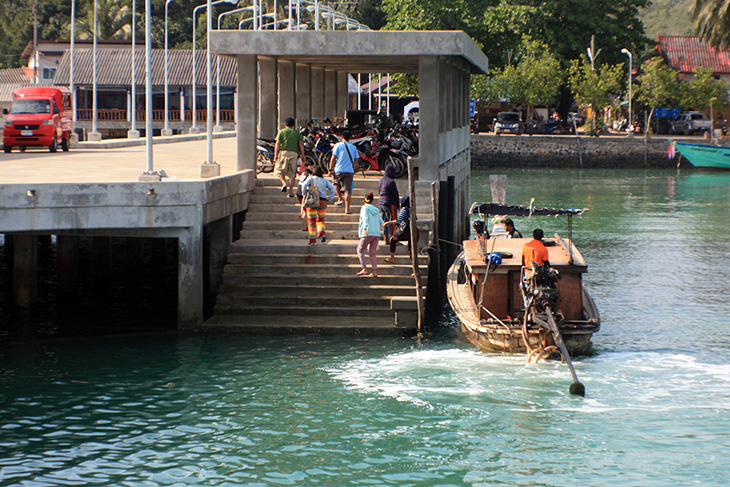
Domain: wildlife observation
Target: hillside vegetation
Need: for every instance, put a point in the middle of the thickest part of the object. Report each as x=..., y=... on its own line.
x=668, y=17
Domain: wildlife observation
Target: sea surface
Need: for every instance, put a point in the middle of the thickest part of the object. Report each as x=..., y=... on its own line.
x=229, y=410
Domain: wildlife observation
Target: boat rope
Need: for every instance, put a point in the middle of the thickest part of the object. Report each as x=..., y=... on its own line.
x=498, y=320
x=450, y=242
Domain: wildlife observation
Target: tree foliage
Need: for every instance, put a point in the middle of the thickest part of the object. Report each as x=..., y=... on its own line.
x=712, y=21
x=595, y=88
x=659, y=85
x=705, y=92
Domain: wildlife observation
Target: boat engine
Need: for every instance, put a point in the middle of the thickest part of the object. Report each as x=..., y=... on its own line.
x=541, y=288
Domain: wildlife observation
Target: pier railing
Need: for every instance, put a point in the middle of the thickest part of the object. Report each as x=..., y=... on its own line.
x=120, y=115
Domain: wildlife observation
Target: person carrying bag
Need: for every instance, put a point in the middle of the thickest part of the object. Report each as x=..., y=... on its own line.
x=317, y=192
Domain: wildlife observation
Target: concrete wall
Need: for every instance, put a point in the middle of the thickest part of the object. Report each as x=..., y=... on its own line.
x=550, y=151
x=174, y=209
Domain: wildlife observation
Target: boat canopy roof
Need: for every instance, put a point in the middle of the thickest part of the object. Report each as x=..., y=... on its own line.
x=515, y=210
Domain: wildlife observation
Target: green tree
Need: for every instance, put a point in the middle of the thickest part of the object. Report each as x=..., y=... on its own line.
x=658, y=85
x=533, y=81
x=712, y=21
x=113, y=20
x=594, y=88
x=705, y=92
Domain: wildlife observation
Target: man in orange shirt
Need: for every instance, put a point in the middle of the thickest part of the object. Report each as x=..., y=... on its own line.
x=535, y=251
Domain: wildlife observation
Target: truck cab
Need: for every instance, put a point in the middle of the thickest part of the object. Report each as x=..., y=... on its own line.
x=39, y=116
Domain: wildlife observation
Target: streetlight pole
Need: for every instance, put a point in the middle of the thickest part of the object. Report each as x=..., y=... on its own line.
x=133, y=132
x=166, y=131
x=94, y=135
x=150, y=174
x=71, y=65
x=628, y=53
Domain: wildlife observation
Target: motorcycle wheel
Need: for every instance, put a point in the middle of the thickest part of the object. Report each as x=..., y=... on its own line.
x=324, y=160
x=263, y=163
x=397, y=162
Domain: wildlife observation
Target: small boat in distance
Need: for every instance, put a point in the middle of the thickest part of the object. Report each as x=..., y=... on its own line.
x=506, y=307
x=702, y=156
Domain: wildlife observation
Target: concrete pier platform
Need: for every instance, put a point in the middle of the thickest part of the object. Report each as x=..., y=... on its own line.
x=92, y=191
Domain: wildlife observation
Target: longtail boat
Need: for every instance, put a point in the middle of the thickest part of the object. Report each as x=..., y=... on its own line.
x=703, y=156
x=502, y=309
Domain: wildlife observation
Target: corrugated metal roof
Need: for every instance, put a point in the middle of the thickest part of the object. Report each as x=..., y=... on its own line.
x=13, y=75
x=6, y=90
x=685, y=53
x=114, y=67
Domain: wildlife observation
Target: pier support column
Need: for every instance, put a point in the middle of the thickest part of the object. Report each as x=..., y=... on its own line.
x=428, y=89
x=343, y=93
x=215, y=247
x=286, y=91
x=303, y=94
x=330, y=94
x=190, y=278
x=247, y=102
x=317, y=93
x=268, y=98
x=25, y=270
x=67, y=264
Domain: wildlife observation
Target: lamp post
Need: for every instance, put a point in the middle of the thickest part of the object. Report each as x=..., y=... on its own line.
x=193, y=129
x=150, y=174
x=94, y=135
x=166, y=131
x=628, y=53
x=133, y=132
x=71, y=65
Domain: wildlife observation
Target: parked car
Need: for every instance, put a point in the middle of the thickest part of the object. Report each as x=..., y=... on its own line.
x=39, y=116
x=577, y=117
x=508, y=123
x=690, y=122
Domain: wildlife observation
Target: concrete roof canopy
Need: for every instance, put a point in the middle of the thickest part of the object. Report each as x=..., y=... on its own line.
x=352, y=51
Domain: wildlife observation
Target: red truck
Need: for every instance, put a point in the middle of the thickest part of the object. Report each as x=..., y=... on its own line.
x=39, y=116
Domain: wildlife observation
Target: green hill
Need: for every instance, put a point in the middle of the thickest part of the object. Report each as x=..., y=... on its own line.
x=668, y=17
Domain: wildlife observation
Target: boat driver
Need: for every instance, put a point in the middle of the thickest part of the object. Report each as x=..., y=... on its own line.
x=534, y=251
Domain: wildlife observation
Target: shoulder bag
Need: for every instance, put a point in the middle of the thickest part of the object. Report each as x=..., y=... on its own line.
x=311, y=195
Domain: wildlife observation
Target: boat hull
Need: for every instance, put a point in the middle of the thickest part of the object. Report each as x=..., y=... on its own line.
x=507, y=336
x=705, y=156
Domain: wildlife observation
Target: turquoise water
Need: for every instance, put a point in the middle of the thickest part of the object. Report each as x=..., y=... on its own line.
x=315, y=411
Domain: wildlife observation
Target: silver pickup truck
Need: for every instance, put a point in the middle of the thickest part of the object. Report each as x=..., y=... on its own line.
x=690, y=122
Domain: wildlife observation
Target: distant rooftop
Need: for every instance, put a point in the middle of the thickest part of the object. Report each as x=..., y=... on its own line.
x=686, y=53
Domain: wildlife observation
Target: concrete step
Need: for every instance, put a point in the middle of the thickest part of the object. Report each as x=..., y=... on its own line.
x=246, y=258
x=300, y=246
x=292, y=205
x=297, y=234
x=315, y=282
x=233, y=300
x=330, y=225
x=355, y=325
x=346, y=267
x=242, y=287
x=292, y=215
x=382, y=311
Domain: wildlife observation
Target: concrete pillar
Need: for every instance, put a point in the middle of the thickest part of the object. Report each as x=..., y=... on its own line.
x=216, y=245
x=442, y=95
x=67, y=264
x=317, y=93
x=190, y=277
x=330, y=94
x=286, y=91
x=247, y=102
x=343, y=94
x=428, y=93
x=267, y=98
x=25, y=270
x=303, y=94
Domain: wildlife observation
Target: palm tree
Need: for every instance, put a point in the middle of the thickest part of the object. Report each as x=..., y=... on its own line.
x=712, y=21
x=114, y=20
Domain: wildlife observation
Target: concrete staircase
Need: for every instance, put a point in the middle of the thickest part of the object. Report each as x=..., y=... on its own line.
x=275, y=282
